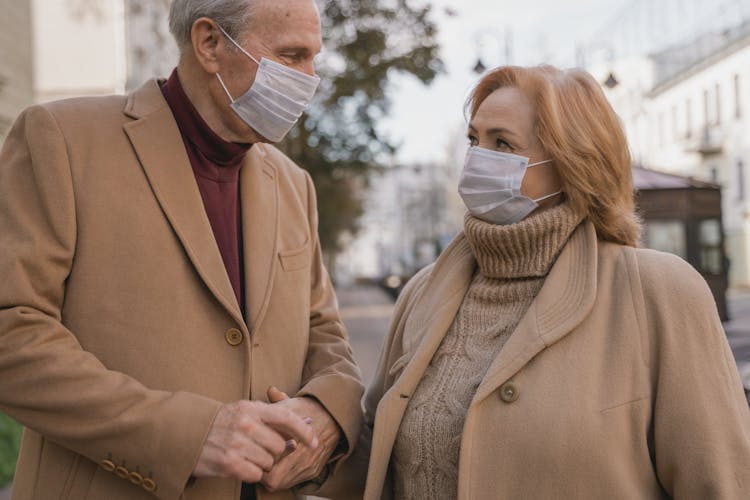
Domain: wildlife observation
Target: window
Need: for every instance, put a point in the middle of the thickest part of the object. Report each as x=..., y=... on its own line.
x=666, y=236
x=740, y=180
x=706, y=110
x=714, y=175
x=737, y=97
x=717, y=117
x=688, y=120
x=709, y=234
x=675, y=128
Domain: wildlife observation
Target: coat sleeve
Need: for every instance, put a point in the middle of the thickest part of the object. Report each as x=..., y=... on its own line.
x=50, y=383
x=701, y=422
x=330, y=374
x=349, y=482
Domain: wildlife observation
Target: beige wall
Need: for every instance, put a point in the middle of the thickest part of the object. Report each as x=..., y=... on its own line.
x=79, y=48
x=16, y=71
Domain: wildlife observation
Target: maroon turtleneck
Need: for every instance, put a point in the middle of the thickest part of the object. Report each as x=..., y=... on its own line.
x=216, y=164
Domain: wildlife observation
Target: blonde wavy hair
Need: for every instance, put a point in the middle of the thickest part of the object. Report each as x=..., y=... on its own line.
x=580, y=131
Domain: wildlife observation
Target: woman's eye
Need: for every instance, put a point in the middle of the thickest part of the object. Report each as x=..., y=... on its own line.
x=501, y=144
x=472, y=140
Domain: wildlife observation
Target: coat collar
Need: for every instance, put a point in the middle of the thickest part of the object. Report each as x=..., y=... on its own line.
x=564, y=300
x=158, y=144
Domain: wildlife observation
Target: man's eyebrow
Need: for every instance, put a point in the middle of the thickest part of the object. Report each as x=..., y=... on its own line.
x=296, y=49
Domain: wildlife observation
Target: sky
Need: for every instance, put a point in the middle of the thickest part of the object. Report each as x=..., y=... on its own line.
x=425, y=119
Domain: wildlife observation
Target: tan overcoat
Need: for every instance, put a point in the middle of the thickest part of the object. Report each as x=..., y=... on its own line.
x=120, y=334
x=618, y=383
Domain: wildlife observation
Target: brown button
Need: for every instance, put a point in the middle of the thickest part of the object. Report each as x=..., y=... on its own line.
x=149, y=485
x=108, y=465
x=234, y=336
x=122, y=472
x=135, y=478
x=509, y=392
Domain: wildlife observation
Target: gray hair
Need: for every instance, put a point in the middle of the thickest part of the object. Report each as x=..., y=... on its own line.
x=232, y=15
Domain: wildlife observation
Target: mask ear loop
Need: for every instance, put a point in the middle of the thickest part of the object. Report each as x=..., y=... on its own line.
x=537, y=200
x=539, y=163
x=225, y=87
x=238, y=45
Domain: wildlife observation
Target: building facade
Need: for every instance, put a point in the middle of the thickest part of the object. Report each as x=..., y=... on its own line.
x=686, y=110
x=99, y=47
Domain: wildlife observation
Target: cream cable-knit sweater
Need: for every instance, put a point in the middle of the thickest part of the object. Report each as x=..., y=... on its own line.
x=512, y=263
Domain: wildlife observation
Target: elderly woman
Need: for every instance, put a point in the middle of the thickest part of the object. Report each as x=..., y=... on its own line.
x=543, y=355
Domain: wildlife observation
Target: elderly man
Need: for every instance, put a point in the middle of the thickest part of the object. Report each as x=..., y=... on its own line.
x=162, y=284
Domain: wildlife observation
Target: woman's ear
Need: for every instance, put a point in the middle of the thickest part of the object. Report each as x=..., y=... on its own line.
x=207, y=41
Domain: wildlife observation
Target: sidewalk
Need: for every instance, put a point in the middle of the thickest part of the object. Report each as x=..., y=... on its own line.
x=5, y=493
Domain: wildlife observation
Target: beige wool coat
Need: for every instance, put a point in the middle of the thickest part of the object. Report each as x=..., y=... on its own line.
x=618, y=383
x=120, y=334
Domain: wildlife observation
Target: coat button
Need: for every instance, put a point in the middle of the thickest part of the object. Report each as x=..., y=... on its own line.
x=108, y=465
x=234, y=337
x=135, y=478
x=149, y=485
x=509, y=392
x=122, y=472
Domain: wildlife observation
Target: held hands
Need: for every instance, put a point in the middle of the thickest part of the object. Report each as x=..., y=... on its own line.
x=303, y=463
x=248, y=437
x=279, y=445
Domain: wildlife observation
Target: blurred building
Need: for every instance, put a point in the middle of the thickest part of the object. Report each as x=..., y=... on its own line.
x=686, y=109
x=99, y=47
x=408, y=220
x=16, y=68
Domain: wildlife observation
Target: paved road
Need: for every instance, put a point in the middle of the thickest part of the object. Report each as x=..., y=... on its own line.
x=366, y=311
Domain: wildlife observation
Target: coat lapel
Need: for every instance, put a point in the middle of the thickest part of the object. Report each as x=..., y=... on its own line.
x=158, y=144
x=260, y=212
x=565, y=299
x=423, y=332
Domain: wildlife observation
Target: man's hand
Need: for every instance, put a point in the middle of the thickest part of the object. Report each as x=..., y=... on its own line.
x=248, y=437
x=303, y=463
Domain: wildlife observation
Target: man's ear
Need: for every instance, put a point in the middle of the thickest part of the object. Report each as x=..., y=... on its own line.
x=207, y=40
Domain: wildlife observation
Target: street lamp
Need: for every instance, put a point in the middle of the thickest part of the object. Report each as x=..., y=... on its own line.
x=611, y=82
x=479, y=67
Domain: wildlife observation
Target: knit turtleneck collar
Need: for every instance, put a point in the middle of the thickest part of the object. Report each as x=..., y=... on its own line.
x=526, y=249
x=194, y=129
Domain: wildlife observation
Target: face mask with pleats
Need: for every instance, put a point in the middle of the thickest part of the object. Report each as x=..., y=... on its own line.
x=490, y=186
x=276, y=99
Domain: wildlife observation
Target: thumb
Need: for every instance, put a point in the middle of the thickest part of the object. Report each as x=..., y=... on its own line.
x=275, y=395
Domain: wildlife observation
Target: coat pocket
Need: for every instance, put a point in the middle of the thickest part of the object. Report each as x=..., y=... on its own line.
x=295, y=259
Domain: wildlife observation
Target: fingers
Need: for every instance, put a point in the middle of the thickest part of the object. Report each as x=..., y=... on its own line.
x=290, y=425
x=248, y=437
x=275, y=395
x=300, y=466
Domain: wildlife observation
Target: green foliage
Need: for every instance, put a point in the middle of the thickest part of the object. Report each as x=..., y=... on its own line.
x=337, y=141
x=10, y=443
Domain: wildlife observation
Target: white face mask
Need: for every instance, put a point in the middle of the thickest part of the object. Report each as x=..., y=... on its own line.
x=276, y=99
x=490, y=186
